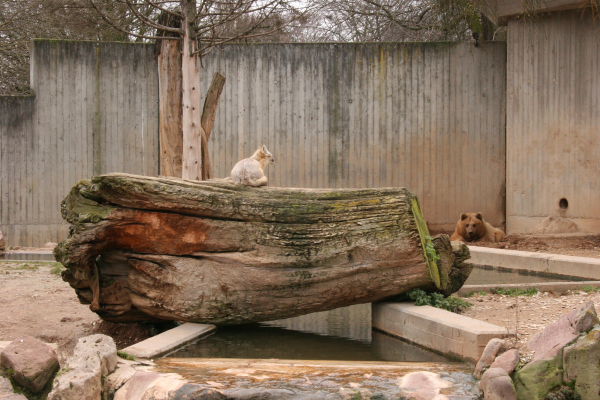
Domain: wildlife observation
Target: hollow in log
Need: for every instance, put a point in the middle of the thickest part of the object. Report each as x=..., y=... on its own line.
x=144, y=249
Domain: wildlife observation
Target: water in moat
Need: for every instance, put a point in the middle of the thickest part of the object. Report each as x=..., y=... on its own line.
x=327, y=355
x=493, y=276
x=341, y=334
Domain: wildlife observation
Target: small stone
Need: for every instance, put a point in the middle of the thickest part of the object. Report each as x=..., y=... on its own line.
x=507, y=361
x=488, y=356
x=32, y=362
x=423, y=384
x=497, y=385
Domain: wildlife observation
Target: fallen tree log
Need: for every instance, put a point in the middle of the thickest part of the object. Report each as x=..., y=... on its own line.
x=145, y=248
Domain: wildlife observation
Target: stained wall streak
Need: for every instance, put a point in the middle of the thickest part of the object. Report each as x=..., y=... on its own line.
x=94, y=111
x=553, y=129
x=428, y=116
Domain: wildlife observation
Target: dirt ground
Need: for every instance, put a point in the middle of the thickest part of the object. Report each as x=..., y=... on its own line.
x=527, y=315
x=577, y=245
x=34, y=300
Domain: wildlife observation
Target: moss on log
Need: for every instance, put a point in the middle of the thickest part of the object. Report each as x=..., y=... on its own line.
x=143, y=249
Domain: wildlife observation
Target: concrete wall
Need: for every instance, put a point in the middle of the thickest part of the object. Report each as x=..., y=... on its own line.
x=553, y=124
x=430, y=117
x=426, y=116
x=94, y=111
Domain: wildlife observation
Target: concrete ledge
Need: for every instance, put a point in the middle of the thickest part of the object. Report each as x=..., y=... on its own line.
x=541, y=286
x=169, y=340
x=581, y=267
x=436, y=329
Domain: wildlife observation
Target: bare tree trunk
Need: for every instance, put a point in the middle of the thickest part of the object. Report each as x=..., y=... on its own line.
x=190, y=72
x=170, y=108
x=209, y=112
x=145, y=248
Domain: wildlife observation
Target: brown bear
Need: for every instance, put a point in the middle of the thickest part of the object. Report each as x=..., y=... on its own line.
x=471, y=227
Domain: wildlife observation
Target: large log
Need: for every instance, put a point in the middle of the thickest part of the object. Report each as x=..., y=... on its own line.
x=145, y=248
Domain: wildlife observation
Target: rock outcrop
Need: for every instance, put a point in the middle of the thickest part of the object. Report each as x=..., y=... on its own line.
x=94, y=357
x=581, y=363
x=563, y=353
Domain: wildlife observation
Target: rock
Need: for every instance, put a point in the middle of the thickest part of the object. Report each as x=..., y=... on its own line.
x=535, y=380
x=192, y=391
x=118, y=378
x=94, y=357
x=7, y=392
x=50, y=245
x=423, y=385
x=497, y=385
x=155, y=386
x=32, y=362
x=2, y=243
x=282, y=394
x=507, y=361
x=548, y=343
x=581, y=363
x=488, y=356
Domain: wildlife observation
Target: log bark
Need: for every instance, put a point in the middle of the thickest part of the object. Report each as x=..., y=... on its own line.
x=145, y=248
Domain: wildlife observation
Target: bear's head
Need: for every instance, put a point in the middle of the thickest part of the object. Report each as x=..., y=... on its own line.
x=472, y=226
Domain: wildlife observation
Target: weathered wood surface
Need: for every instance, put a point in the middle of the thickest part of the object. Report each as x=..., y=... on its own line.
x=170, y=107
x=145, y=248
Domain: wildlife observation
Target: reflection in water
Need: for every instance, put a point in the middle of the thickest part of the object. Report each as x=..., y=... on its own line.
x=341, y=334
x=352, y=322
x=484, y=276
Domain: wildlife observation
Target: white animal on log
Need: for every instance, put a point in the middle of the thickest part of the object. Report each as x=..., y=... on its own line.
x=251, y=171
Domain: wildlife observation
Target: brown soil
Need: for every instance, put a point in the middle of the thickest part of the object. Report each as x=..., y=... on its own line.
x=36, y=301
x=583, y=246
x=527, y=315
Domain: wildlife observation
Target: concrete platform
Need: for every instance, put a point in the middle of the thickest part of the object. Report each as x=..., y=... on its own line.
x=540, y=286
x=436, y=329
x=581, y=267
x=168, y=341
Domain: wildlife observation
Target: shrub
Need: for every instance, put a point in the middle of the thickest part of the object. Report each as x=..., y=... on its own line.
x=451, y=303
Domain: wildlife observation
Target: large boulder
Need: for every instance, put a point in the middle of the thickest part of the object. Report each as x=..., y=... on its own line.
x=493, y=347
x=536, y=379
x=31, y=362
x=93, y=359
x=581, y=363
x=497, y=385
x=548, y=343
